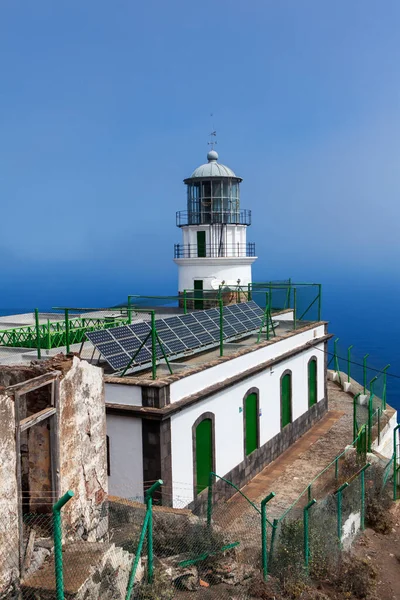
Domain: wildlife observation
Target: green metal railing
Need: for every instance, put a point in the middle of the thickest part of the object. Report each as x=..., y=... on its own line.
x=147, y=528
x=57, y=536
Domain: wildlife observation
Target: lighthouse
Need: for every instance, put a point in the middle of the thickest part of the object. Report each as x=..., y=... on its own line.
x=214, y=251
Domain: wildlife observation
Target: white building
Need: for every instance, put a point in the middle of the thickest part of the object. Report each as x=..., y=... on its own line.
x=231, y=415
x=214, y=246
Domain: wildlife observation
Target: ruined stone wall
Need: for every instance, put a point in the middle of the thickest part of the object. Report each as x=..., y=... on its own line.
x=9, y=530
x=83, y=455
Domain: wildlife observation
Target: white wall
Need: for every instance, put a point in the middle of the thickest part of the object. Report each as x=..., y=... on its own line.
x=229, y=420
x=207, y=269
x=231, y=235
x=116, y=393
x=126, y=456
x=197, y=382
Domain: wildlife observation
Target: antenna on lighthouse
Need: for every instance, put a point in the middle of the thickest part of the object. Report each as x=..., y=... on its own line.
x=213, y=134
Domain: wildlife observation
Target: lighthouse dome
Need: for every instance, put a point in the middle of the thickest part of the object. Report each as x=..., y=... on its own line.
x=212, y=168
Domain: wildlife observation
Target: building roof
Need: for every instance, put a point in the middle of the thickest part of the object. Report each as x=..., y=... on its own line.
x=212, y=168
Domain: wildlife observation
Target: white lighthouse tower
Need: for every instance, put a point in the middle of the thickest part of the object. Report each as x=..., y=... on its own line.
x=214, y=249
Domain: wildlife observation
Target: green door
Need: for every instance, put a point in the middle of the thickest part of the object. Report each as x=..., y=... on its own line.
x=312, y=382
x=286, y=400
x=198, y=294
x=201, y=244
x=251, y=420
x=203, y=454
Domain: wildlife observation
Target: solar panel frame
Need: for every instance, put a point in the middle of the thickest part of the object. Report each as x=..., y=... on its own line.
x=176, y=334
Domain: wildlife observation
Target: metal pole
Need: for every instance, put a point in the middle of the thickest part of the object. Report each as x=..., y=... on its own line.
x=248, y=292
x=362, y=517
x=339, y=509
x=355, y=415
x=264, y=549
x=221, y=327
x=348, y=362
x=294, y=307
x=371, y=395
x=57, y=536
x=319, y=301
x=39, y=354
x=395, y=430
x=132, y=574
x=184, y=302
x=129, y=310
x=153, y=346
x=149, y=502
x=305, y=532
x=365, y=373
x=336, y=359
x=273, y=536
x=384, y=386
x=67, y=348
x=48, y=334
x=209, y=498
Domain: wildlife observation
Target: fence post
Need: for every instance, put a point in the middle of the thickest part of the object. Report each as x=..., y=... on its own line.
x=264, y=550
x=67, y=348
x=149, y=503
x=248, y=292
x=153, y=346
x=39, y=353
x=132, y=573
x=221, y=327
x=336, y=467
x=362, y=516
x=395, y=430
x=57, y=536
x=336, y=359
x=48, y=334
x=365, y=373
x=209, y=498
x=319, y=301
x=348, y=362
x=305, y=533
x=339, y=510
x=184, y=302
x=371, y=395
x=384, y=387
x=129, y=310
x=294, y=307
x=355, y=417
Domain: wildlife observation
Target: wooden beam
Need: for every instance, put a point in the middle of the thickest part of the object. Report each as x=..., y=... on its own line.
x=33, y=384
x=36, y=418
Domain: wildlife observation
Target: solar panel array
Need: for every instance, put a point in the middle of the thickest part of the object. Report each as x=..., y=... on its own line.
x=179, y=334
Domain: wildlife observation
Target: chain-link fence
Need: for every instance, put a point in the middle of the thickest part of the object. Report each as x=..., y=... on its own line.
x=149, y=550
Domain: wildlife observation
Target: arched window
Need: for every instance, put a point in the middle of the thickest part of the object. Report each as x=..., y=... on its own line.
x=286, y=398
x=251, y=421
x=203, y=451
x=312, y=382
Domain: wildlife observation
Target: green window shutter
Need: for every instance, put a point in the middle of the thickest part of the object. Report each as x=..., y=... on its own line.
x=312, y=383
x=251, y=420
x=203, y=454
x=286, y=400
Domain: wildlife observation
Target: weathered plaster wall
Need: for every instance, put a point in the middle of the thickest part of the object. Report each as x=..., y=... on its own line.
x=83, y=454
x=9, y=532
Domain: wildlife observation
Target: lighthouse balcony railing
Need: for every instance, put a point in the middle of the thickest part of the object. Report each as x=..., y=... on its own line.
x=214, y=250
x=228, y=217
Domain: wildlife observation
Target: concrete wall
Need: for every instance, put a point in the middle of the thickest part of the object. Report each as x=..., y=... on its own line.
x=197, y=382
x=126, y=456
x=208, y=269
x=227, y=406
x=232, y=234
x=123, y=394
x=9, y=530
x=83, y=456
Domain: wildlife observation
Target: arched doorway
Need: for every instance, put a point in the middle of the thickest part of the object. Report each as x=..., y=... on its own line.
x=312, y=382
x=250, y=415
x=286, y=399
x=203, y=453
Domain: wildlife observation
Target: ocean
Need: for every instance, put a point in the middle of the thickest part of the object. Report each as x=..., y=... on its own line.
x=362, y=316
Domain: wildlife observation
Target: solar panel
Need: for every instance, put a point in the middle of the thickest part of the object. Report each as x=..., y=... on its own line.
x=118, y=345
x=100, y=336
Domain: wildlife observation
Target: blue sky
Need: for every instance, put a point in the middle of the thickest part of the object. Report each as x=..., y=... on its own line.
x=105, y=108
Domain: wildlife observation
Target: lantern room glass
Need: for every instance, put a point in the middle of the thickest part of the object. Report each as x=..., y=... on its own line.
x=213, y=201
